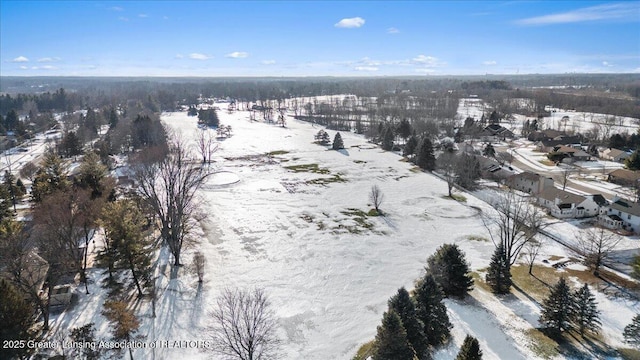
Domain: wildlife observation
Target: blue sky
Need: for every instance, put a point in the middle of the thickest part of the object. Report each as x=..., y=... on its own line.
x=320, y=38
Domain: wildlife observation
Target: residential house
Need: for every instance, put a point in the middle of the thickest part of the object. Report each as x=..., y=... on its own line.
x=545, y=135
x=565, y=205
x=621, y=214
x=614, y=155
x=547, y=145
x=491, y=169
x=572, y=154
x=529, y=182
x=495, y=132
x=624, y=177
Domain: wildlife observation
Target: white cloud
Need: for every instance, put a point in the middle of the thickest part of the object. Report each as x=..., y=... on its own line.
x=490, y=62
x=24, y=67
x=366, y=68
x=20, y=59
x=179, y=56
x=237, y=55
x=425, y=60
x=268, y=62
x=392, y=30
x=614, y=11
x=143, y=15
x=354, y=22
x=48, y=67
x=198, y=56
x=49, y=59
x=606, y=63
x=116, y=8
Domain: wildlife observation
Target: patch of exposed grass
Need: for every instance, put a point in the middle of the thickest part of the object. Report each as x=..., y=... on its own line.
x=542, y=345
x=456, y=197
x=365, y=351
x=360, y=217
x=478, y=280
x=555, y=258
x=277, y=152
x=415, y=169
x=337, y=178
x=311, y=168
x=625, y=353
x=359, y=161
x=546, y=162
x=374, y=212
x=477, y=238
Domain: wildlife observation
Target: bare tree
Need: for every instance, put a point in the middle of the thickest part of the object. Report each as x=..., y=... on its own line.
x=206, y=145
x=245, y=326
x=447, y=166
x=376, y=197
x=169, y=187
x=198, y=265
x=532, y=249
x=595, y=245
x=565, y=177
x=513, y=223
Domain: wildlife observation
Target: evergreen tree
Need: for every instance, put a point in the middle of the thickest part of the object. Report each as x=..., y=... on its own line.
x=71, y=144
x=632, y=332
x=85, y=334
x=11, y=120
x=470, y=349
x=431, y=311
x=322, y=137
x=16, y=320
x=403, y=305
x=489, y=151
x=6, y=211
x=113, y=118
x=391, y=340
x=410, y=146
x=425, y=159
x=124, y=322
x=92, y=174
x=499, y=276
x=404, y=129
x=128, y=243
x=557, y=310
x=633, y=161
x=586, y=315
x=52, y=176
x=337, y=142
x=451, y=270
x=387, y=137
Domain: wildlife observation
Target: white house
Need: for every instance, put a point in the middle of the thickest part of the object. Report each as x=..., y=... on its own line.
x=565, y=205
x=621, y=214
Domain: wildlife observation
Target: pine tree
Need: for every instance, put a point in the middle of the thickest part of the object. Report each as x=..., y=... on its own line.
x=499, y=276
x=557, y=309
x=16, y=320
x=633, y=161
x=632, y=332
x=450, y=269
x=85, y=334
x=431, y=311
x=586, y=315
x=470, y=349
x=124, y=323
x=337, y=142
x=410, y=146
x=403, y=305
x=128, y=244
x=489, y=151
x=92, y=174
x=387, y=137
x=391, y=340
x=425, y=159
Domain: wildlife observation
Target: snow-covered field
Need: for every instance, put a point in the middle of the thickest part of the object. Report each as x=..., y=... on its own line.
x=328, y=271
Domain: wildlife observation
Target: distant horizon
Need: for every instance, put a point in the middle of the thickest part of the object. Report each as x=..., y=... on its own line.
x=163, y=39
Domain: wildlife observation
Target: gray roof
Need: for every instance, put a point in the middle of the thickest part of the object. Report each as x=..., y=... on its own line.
x=627, y=207
x=552, y=193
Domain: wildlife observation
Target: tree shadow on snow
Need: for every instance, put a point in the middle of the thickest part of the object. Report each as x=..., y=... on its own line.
x=343, y=152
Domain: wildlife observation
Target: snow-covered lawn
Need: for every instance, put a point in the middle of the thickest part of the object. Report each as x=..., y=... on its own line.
x=291, y=222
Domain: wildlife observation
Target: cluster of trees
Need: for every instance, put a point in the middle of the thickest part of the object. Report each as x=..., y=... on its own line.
x=625, y=141
x=564, y=310
x=416, y=323
x=323, y=138
x=208, y=117
x=633, y=161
